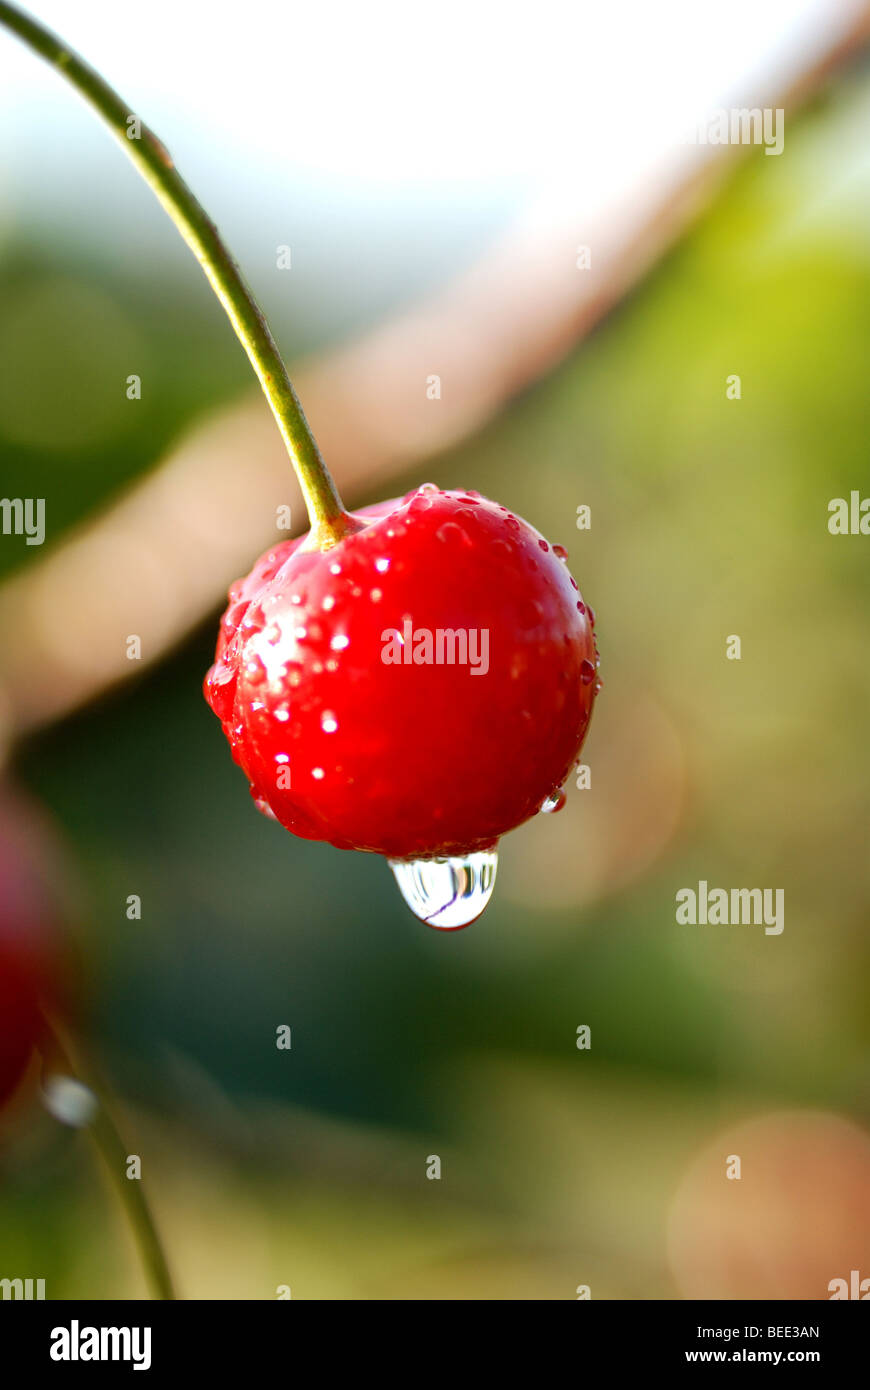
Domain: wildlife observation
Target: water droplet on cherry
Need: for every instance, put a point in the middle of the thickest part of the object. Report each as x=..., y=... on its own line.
x=587, y=672
x=560, y=552
x=555, y=801
x=452, y=533
x=447, y=893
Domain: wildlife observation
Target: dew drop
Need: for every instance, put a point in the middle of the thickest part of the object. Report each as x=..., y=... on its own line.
x=544, y=545
x=587, y=672
x=428, y=488
x=555, y=801
x=329, y=723
x=447, y=893
x=222, y=689
x=560, y=552
x=452, y=533
x=233, y=616
x=382, y=565
x=255, y=671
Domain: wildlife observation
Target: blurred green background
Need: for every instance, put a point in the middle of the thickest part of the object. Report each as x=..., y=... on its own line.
x=560, y=1167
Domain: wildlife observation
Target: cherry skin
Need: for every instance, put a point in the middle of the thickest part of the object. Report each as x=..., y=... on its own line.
x=338, y=710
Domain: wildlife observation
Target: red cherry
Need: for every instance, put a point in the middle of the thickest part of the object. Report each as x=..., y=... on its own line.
x=344, y=728
x=29, y=962
x=19, y=1020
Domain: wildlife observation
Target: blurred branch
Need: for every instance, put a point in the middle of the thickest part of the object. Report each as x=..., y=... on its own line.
x=156, y=562
x=115, y=1155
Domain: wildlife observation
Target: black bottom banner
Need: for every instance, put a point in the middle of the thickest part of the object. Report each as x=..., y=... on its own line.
x=222, y=1339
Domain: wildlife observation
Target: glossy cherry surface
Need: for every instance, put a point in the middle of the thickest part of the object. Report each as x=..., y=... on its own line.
x=334, y=683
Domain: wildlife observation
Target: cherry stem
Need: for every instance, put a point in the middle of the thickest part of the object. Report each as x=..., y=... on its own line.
x=115, y=1153
x=328, y=518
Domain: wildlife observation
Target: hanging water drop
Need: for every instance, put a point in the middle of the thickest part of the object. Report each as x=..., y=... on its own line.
x=447, y=893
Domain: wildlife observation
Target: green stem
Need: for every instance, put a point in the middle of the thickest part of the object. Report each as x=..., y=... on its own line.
x=114, y=1152
x=329, y=521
